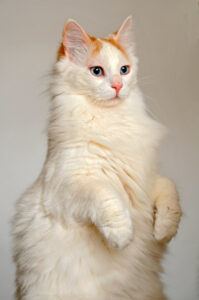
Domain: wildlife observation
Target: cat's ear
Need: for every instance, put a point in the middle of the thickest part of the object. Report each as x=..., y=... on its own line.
x=125, y=35
x=76, y=42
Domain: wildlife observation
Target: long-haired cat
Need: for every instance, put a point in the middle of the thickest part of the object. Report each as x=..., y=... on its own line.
x=95, y=223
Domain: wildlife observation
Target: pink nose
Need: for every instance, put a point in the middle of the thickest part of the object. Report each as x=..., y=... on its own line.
x=117, y=86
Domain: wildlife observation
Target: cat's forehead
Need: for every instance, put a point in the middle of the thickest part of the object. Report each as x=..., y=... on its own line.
x=98, y=43
x=107, y=49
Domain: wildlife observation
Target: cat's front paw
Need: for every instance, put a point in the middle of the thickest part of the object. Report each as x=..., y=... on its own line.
x=167, y=212
x=166, y=223
x=119, y=234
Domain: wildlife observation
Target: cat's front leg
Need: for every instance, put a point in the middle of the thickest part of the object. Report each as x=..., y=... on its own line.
x=114, y=222
x=167, y=209
x=109, y=211
x=90, y=200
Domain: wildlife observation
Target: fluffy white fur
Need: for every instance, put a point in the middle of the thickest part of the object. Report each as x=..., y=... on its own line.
x=95, y=222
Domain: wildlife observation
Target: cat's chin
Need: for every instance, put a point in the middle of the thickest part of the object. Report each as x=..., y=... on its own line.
x=109, y=102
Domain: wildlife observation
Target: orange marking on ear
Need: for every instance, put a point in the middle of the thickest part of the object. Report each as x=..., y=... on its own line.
x=92, y=38
x=96, y=45
x=60, y=52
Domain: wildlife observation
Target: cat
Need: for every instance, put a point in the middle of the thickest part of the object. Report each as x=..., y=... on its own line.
x=96, y=222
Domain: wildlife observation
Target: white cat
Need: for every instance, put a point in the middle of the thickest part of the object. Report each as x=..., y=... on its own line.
x=95, y=223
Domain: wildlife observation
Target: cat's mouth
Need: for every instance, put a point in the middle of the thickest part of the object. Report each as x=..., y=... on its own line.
x=116, y=98
x=112, y=101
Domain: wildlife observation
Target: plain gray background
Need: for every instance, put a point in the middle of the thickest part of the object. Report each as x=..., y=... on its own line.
x=167, y=35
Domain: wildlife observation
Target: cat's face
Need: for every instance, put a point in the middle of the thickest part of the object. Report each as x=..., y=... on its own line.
x=104, y=70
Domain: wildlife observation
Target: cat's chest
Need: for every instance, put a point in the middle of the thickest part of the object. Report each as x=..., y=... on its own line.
x=131, y=167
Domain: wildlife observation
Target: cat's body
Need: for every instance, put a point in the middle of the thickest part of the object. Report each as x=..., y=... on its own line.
x=86, y=229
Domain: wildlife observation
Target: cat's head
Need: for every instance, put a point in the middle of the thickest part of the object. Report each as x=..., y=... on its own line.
x=102, y=69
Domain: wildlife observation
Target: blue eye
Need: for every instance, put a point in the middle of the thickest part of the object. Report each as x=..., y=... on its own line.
x=97, y=71
x=124, y=70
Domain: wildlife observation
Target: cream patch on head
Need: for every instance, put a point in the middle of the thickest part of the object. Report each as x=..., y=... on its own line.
x=112, y=58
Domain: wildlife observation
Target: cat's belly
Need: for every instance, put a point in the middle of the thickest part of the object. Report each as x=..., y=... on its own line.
x=74, y=262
